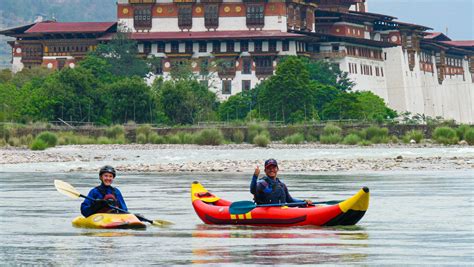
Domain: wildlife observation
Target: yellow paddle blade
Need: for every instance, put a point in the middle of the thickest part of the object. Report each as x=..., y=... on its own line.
x=66, y=189
x=161, y=223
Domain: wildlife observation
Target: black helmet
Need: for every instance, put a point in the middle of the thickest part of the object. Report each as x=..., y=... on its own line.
x=107, y=168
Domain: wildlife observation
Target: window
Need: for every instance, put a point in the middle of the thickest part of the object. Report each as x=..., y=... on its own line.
x=263, y=66
x=272, y=46
x=216, y=46
x=255, y=16
x=142, y=17
x=211, y=16
x=245, y=85
x=202, y=47
x=247, y=65
x=174, y=47
x=185, y=16
x=161, y=47
x=227, y=87
x=257, y=46
x=189, y=47
x=226, y=68
x=244, y=46
x=303, y=18
x=285, y=45
x=147, y=48
x=230, y=46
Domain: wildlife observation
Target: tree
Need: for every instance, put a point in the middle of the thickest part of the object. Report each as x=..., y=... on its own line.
x=344, y=106
x=121, y=54
x=328, y=73
x=236, y=107
x=374, y=108
x=289, y=91
x=186, y=101
x=130, y=99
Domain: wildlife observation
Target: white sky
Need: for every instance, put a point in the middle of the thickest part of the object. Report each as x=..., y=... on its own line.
x=455, y=15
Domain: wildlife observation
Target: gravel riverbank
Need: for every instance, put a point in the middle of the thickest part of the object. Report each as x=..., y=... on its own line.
x=239, y=158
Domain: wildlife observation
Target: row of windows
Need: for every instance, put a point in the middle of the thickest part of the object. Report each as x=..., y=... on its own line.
x=365, y=69
x=216, y=46
x=454, y=62
x=364, y=52
x=263, y=66
x=426, y=57
x=68, y=48
x=255, y=16
x=227, y=86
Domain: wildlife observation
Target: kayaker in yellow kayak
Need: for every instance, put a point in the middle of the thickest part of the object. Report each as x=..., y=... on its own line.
x=269, y=189
x=104, y=195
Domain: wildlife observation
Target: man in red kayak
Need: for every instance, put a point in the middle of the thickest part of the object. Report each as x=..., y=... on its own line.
x=105, y=195
x=269, y=189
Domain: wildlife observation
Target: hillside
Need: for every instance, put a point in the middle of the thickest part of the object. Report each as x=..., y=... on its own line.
x=15, y=13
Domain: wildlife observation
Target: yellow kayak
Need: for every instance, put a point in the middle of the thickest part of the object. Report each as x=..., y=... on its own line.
x=109, y=221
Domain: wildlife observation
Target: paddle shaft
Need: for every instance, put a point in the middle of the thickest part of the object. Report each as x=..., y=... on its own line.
x=141, y=218
x=297, y=203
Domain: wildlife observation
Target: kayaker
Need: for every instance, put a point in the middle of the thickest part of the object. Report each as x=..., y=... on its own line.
x=105, y=195
x=269, y=189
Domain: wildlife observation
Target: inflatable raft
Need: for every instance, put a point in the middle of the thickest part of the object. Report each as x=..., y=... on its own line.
x=214, y=210
x=109, y=221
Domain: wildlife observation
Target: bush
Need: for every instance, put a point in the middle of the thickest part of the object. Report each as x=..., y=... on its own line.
x=173, y=139
x=155, y=138
x=296, y=138
x=351, y=139
x=211, y=137
x=104, y=140
x=445, y=135
x=143, y=129
x=115, y=131
x=462, y=130
x=141, y=138
x=14, y=141
x=3, y=142
x=376, y=134
x=330, y=139
x=261, y=140
x=332, y=129
x=469, y=136
x=238, y=136
x=394, y=139
x=49, y=138
x=413, y=135
x=186, y=138
x=365, y=143
x=39, y=144
x=254, y=130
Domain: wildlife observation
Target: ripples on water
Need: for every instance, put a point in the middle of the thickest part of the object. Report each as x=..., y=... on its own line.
x=413, y=218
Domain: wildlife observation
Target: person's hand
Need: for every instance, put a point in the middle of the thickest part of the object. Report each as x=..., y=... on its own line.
x=309, y=202
x=257, y=171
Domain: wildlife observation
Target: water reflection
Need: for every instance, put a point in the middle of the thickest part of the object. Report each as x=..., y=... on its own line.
x=271, y=245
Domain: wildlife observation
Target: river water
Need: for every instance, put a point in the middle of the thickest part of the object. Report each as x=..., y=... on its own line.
x=413, y=218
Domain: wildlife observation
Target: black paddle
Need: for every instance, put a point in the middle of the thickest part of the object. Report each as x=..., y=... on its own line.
x=242, y=207
x=68, y=190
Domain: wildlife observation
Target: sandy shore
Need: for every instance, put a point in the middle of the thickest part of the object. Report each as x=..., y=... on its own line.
x=292, y=158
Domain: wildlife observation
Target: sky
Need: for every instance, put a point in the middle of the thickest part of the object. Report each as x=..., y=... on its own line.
x=455, y=15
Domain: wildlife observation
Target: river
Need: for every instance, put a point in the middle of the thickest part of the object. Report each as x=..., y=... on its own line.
x=421, y=217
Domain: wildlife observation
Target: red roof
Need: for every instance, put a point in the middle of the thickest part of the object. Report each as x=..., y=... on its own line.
x=209, y=35
x=70, y=27
x=467, y=43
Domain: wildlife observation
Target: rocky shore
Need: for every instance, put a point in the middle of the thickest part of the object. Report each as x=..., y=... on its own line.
x=292, y=158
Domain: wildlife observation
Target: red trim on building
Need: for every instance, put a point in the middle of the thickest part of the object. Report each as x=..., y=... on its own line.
x=69, y=27
x=209, y=35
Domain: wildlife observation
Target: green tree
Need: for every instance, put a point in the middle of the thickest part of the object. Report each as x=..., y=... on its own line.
x=236, y=107
x=289, y=91
x=130, y=99
x=373, y=107
x=344, y=106
x=121, y=55
x=328, y=73
x=186, y=101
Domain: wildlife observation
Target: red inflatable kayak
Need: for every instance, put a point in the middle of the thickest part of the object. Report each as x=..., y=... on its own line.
x=214, y=210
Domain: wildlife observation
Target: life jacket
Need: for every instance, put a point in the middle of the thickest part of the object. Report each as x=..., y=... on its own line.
x=112, y=196
x=274, y=192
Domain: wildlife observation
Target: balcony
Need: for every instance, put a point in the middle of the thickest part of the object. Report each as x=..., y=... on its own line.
x=142, y=1
x=328, y=55
x=263, y=71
